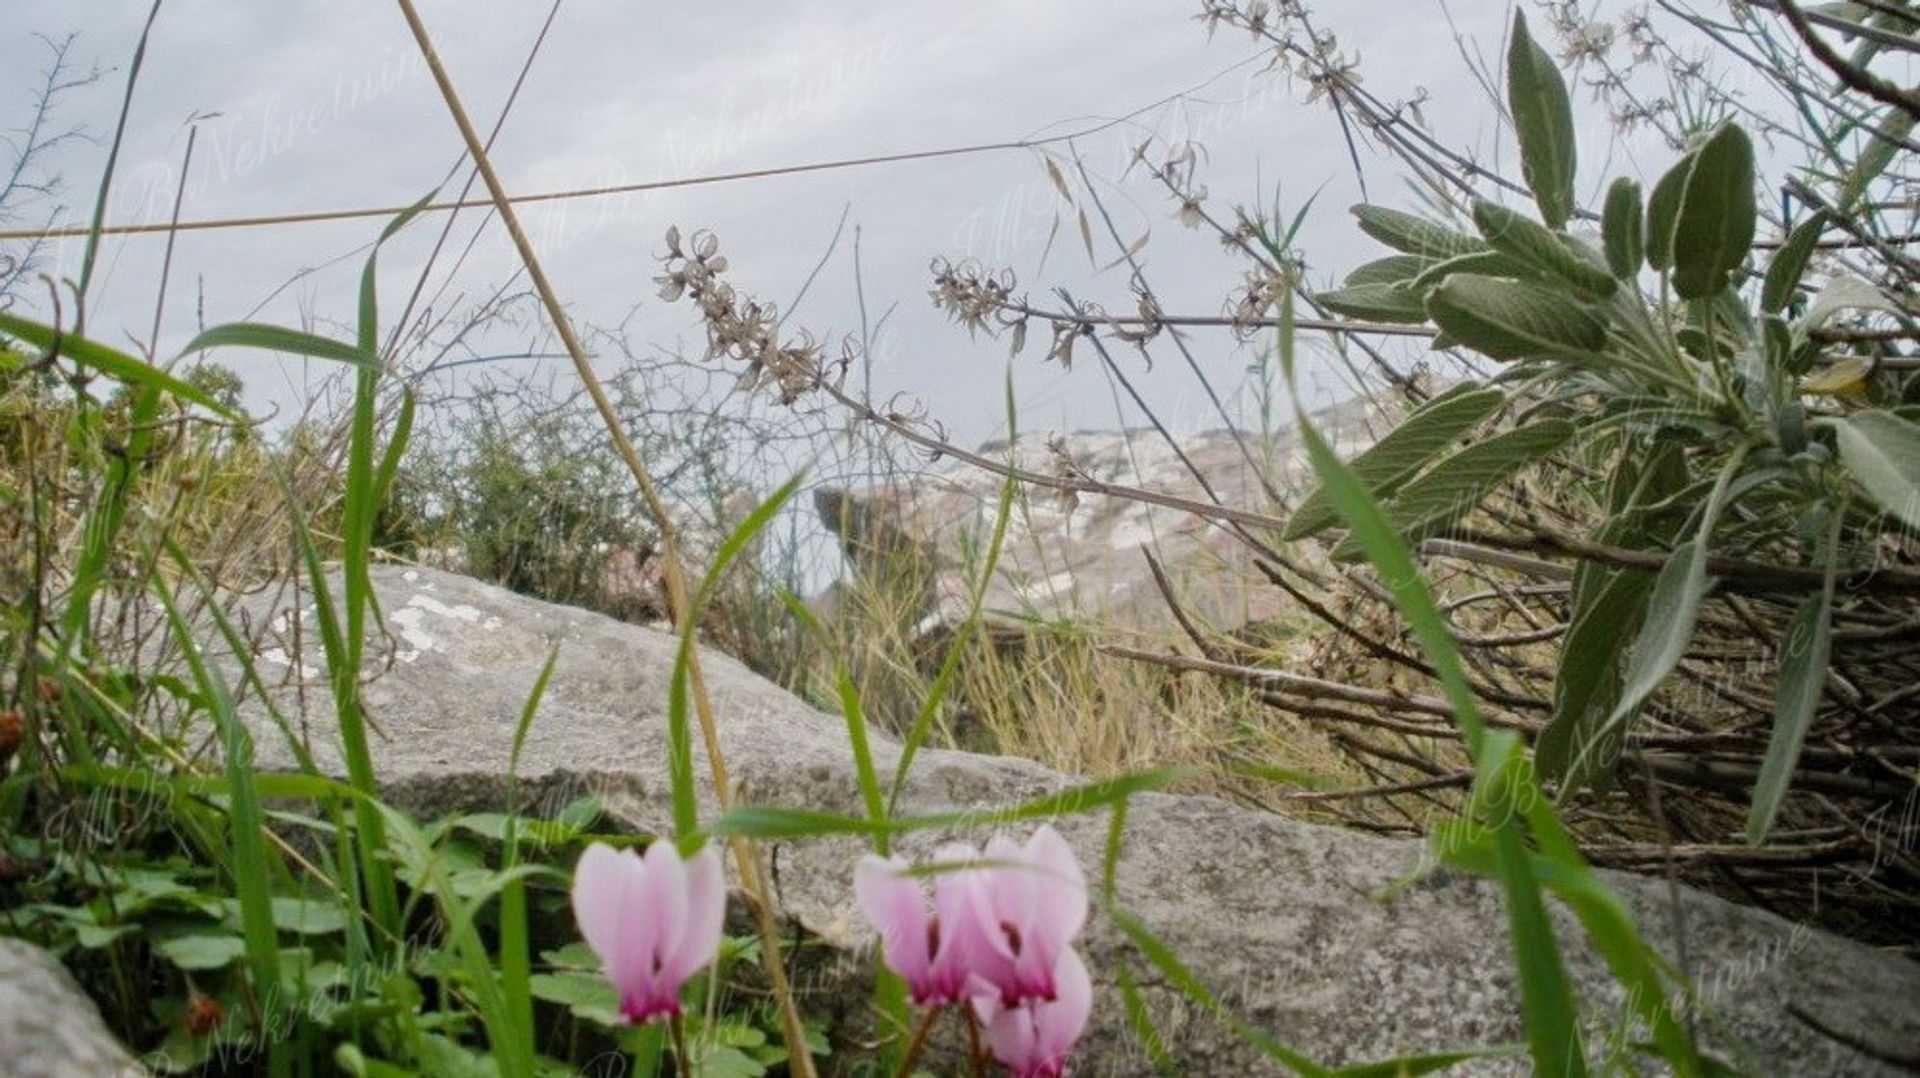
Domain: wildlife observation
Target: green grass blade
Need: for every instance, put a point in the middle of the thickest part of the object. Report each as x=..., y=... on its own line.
x=251, y=867
x=114, y=364
x=396, y=448
x=863, y=769
x=515, y=960
x=1546, y=1000
x=1162, y=957
x=769, y=822
x=343, y=672
x=279, y=339
x=686, y=807
x=1140, y=1019
x=956, y=649
x=1427, y=1063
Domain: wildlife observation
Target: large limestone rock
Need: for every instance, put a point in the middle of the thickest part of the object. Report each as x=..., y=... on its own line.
x=48, y=1027
x=1286, y=921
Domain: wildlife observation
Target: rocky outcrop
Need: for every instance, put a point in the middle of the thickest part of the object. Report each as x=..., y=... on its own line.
x=1081, y=557
x=48, y=1027
x=1298, y=928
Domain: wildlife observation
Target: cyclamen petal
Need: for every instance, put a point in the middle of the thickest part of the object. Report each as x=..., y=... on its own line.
x=1033, y=1039
x=1030, y=905
x=891, y=899
x=1000, y=923
x=706, y=914
x=933, y=955
x=653, y=920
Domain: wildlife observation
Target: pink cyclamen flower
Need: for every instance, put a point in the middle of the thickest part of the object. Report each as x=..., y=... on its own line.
x=653, y=920
x=1028, y=904
x=936, y=954
x=1033, y=1039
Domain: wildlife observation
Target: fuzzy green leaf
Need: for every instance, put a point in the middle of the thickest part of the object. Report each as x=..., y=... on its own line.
x=1587, y=681
x=1713, y=231
x=1663, y=208
x=1456, y=485
x=1543, y=121
x=1413, y=235
x=1790, y=263
x=1803, y=674
x=1406, y=449
x=1393, y=269
x=1541, y=249
x=1509, y=320
x=1882, y=451
x=1623, y=229
x=1376, y=303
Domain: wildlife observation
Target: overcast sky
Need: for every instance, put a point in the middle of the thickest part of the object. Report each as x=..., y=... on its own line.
x=312, y=106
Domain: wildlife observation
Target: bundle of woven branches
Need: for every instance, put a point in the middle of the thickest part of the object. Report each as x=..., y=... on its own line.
x=1842, y=852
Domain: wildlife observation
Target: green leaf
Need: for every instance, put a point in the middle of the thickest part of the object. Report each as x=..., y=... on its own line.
x=308, y=916
x=1541, y=249
x=1393, y=269
x=1879, y=152
x=396, y=448
x=1790, y=262
x=201, y=952
x=1803, y=674
x=1610, y=926
x=250, y=863
x=1376, y=303
x=1846, y=293
x=1406, y=449
x=1452, y=488
x=585, y=995
x=1413, y=235
x=1673, y=607
x=1623, y=229
x=1487, y=263
x=279, y=339
x=116, y=365
x=1713, y=231
x=1588, y=680
x=1508, y=320
x=1543, y=122
x=1663, y=209
x=94, y=937
x=1882, y=452
x=1140, y=1018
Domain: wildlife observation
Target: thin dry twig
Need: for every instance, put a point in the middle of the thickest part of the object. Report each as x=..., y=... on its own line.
x=745, y=860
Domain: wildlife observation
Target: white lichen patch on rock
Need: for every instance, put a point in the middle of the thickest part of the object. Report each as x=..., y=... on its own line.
x=411, y=623
x=280, y=657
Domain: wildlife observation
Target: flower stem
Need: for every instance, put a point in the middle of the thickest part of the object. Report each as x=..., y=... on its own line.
x=918, y=1044
x=682, y=1064
x=973, y=1039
